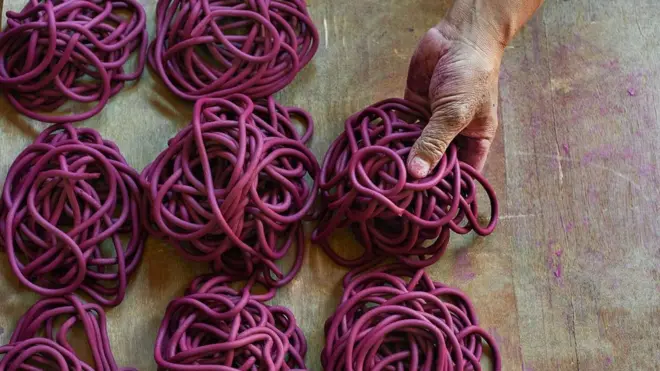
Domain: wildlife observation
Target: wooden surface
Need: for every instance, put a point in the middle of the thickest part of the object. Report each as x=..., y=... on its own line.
x=569, y=281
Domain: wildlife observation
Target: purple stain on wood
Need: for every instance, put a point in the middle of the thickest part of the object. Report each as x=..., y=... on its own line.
x=554, y=261
x=536, y=124
x=592, y=194
x=608, y=361
x=550, y=249
x=462, y=258
x=563, y=54
x=611, y=65
x=566, y=148
x=551, y=263
x=634, y=80
x=607, y=109
x=554, y=163
x=557, y=271
x=647, y=170
x=628, y=154
x=497, y=337
x=463, y=267
x=602, y=153
x=569, y=227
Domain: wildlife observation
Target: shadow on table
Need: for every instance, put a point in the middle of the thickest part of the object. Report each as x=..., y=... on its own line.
x=16, y=120
x=168, y=104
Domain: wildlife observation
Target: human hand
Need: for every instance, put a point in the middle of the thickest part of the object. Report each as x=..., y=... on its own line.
x=457, y=77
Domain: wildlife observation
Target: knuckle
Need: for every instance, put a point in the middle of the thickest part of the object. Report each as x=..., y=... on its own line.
x=456, y=113
x=463, y=111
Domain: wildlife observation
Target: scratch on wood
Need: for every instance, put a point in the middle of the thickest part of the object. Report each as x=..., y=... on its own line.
x=602, y=167
x=518, y=216
x=552, y=101
x=325, y=28
x=639, y=28
x=399, y=54
x=561, y=171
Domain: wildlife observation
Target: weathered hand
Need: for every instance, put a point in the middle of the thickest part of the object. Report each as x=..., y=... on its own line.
x=458, y=80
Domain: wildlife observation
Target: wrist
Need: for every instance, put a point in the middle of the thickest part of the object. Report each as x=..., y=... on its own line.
x=487, y=46
x=488, y=25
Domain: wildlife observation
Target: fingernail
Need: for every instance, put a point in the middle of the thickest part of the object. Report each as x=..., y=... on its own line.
x=419, y=168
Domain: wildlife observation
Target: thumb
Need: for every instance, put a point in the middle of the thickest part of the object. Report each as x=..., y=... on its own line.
x=445, y=124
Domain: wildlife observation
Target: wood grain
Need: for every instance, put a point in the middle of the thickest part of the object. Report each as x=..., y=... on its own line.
x=570, y=279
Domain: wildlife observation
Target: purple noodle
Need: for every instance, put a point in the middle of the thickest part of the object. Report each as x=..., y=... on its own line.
x=70, y=218
x=230, y=188
x=215, y=327
x=70, y=50
x=41, y=338
x=216, y=48
x=364, y=185
x=396, y=318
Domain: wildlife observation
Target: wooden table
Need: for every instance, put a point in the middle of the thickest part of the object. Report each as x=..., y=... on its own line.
x=569, y=281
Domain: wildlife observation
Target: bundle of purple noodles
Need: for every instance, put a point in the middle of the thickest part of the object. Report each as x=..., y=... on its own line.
x=396, y=318
x=55, y=51
x=216, y=48
x=70, y=217
x=215, y=327
x=41, y=338
x=365, y=186
x=232, y=187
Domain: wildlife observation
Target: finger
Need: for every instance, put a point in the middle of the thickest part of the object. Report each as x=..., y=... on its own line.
x=423, y=62
x=477, y=138
x=412, y=96
x=474, y=152
x=445, y=124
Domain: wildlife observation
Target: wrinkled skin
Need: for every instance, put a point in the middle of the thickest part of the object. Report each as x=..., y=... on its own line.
x=459, y=81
